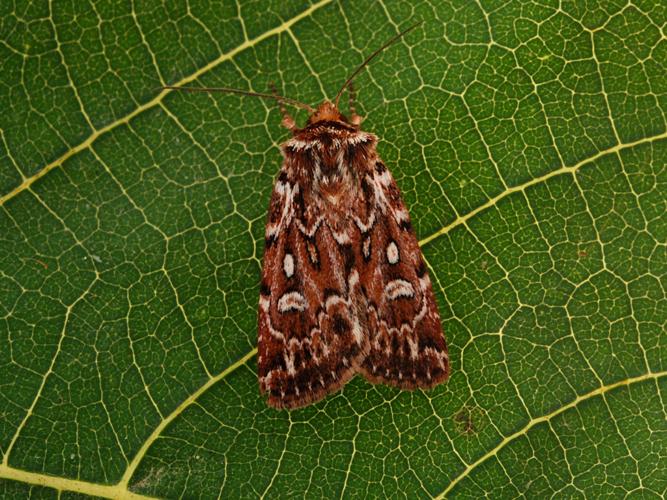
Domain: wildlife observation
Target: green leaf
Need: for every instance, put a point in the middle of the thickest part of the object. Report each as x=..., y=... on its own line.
x=530, y=143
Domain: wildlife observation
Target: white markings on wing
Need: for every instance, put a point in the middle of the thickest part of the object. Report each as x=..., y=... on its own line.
x=288, y=265
x=399, y=288
x=291, y=301
x=392, y=253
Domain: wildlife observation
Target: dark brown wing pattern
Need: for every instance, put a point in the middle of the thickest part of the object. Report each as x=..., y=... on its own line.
x=408, y=349
x=310, y=339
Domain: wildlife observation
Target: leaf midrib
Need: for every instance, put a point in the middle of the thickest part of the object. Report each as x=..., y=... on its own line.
x=121, y=490
x=157, y=100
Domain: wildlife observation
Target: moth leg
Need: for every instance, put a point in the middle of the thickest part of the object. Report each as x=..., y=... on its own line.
x=287, y=121
x=355, y=119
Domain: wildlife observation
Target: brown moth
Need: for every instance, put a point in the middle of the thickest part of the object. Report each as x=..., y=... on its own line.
x=344, y=287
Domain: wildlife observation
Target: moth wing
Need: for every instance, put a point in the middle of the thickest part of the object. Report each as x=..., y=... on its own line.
x=407, y=345
x=310, y=341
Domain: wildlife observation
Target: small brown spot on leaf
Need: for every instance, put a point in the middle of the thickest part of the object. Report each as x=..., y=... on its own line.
x=469, y=420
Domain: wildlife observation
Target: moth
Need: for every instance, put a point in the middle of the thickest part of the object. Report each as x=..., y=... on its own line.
x=344, y=286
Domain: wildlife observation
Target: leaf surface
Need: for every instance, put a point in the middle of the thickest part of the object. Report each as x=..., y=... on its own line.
x=529, y=141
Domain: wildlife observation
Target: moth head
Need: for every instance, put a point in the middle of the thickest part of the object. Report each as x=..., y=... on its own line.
x=327, y=112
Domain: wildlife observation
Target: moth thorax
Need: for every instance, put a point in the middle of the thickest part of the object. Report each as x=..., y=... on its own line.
x=335, y=181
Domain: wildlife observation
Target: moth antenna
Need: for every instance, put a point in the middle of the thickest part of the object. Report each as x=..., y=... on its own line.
x=355, y=119
x=352, y=95
x=288, y=122
x=370, y=58
x=226, y=90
